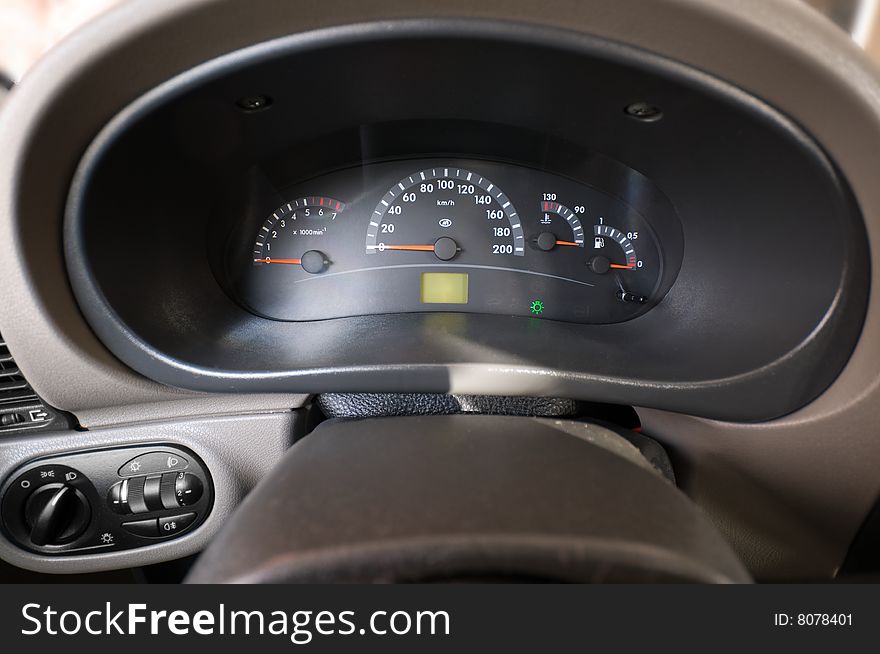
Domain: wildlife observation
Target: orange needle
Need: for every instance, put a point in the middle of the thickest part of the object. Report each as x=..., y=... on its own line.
x=418, y=248
x=566, y=243
x=617, y=265
x=295, y=262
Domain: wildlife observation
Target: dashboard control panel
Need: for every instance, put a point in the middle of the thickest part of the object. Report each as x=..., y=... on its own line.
x=104, y=500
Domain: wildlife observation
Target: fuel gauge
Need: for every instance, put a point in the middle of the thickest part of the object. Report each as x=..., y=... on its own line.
x=630, y=259
x=617, y=254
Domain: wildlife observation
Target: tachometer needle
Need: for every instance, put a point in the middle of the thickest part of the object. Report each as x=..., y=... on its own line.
x=295, y=262
x=622, y=267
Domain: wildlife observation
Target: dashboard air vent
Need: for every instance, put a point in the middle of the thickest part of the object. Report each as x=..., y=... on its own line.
x=20, y=406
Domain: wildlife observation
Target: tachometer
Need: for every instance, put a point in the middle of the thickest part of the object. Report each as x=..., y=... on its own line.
x=446, y=211
x=295, y=233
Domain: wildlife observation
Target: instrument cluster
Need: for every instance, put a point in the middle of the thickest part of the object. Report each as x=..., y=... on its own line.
x=455, y=235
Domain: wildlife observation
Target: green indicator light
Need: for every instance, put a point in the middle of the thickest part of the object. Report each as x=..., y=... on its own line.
x=537, y=307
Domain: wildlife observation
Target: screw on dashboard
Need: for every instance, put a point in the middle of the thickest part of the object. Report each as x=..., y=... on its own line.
x=254, y=103
x=643, y=111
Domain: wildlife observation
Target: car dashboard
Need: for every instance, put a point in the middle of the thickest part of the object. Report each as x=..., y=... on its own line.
x=229, y=232
x=402, y=211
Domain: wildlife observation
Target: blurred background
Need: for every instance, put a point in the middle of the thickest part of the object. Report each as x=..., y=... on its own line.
x=858, y=17
x=28, y=28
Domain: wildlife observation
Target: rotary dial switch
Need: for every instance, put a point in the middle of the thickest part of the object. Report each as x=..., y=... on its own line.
x=56, y=514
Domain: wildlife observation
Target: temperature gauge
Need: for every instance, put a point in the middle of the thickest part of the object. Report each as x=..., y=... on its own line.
x=553, y=237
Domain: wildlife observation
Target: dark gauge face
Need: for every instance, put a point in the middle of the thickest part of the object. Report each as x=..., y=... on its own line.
x=622, y=258
x=454, y=235
x=295, y=233
x=445, y=211
x=558, y=223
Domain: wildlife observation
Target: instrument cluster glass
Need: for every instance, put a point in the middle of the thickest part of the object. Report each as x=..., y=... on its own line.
x=448, y=235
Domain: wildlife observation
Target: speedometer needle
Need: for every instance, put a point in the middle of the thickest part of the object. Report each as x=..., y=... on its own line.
x=414, y=248
x=444, y=248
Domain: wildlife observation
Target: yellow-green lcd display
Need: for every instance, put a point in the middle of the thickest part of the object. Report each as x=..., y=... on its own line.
x=444, y=288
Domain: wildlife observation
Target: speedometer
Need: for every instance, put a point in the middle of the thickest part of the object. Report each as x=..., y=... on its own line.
x=445, y=211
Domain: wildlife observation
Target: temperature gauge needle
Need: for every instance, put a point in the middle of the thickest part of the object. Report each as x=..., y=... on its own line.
x=295, y=262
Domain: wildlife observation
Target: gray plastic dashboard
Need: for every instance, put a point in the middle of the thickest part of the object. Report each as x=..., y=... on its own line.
x=810, y=476
x=774, y=263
